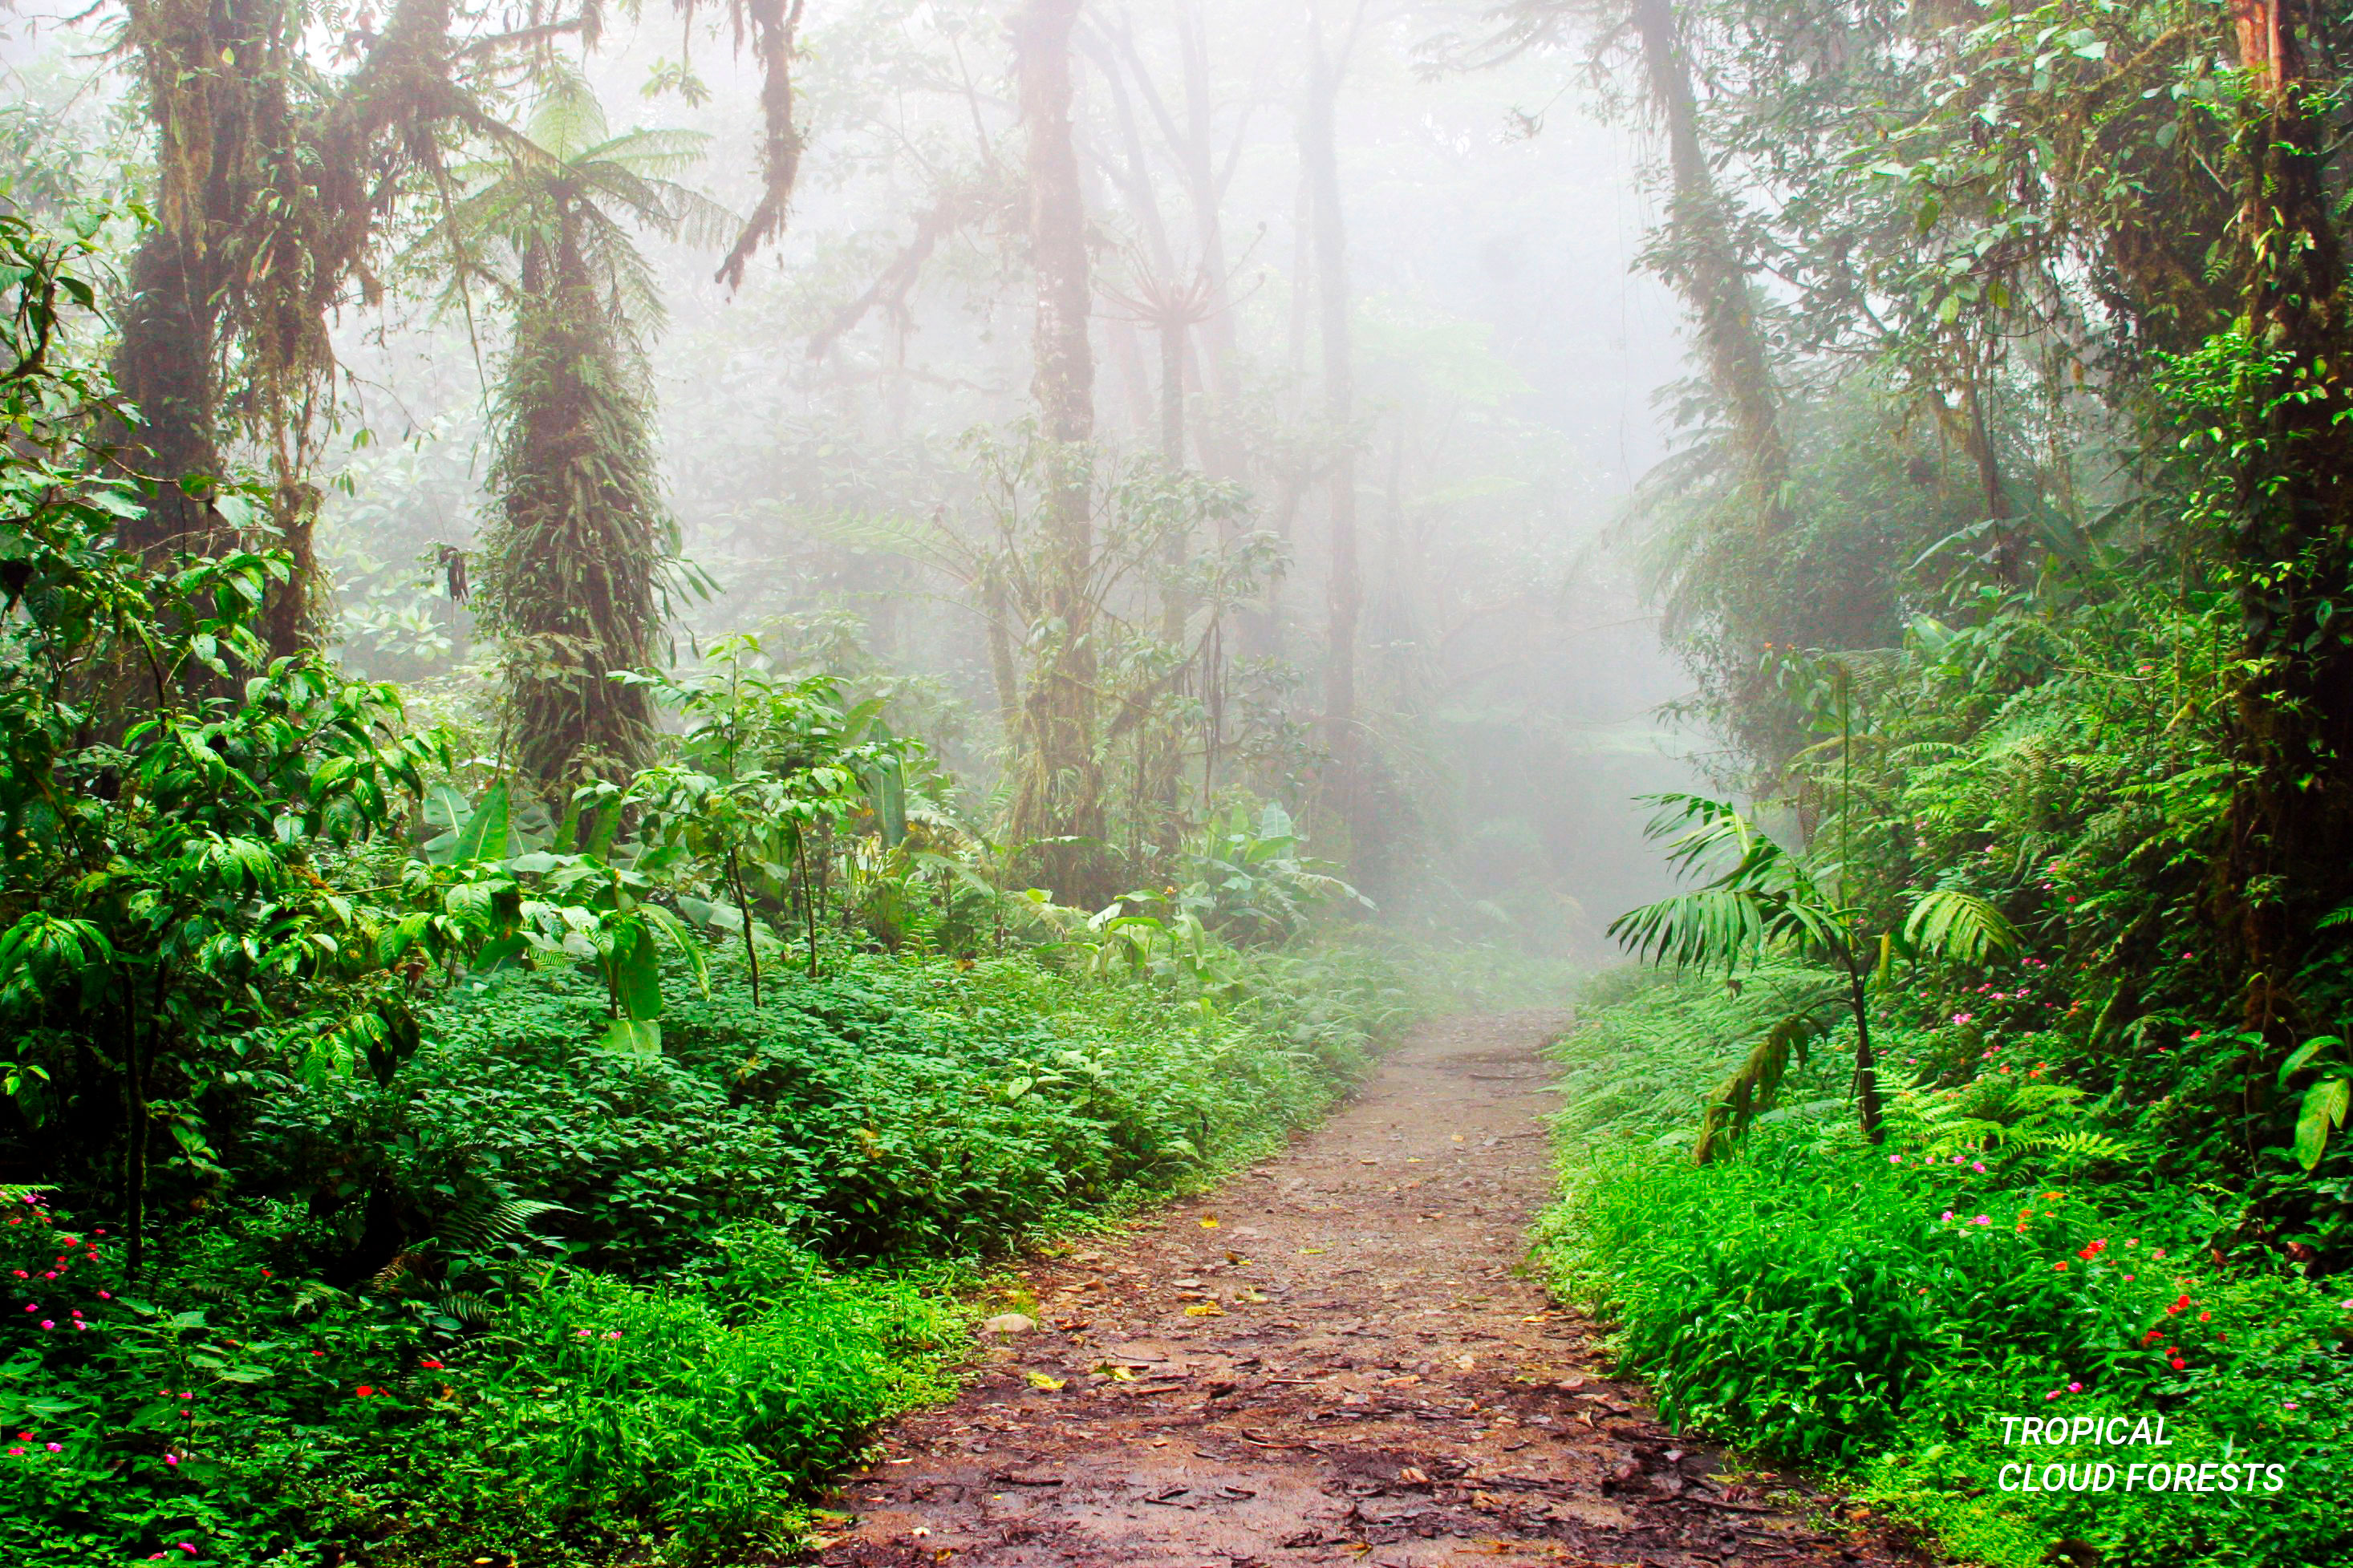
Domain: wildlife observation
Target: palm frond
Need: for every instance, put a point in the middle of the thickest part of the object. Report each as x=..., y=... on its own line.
x=1704, y=928
x=566, y=118
x=1749, y=1091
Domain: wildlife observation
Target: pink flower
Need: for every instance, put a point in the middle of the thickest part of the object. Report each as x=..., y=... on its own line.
x=1978, y=1166
x=106, y=1295
x=2053, y=1394
x=170, y=1459
x=57, y=1447
x=1948, y=1214
x=1982, y=1219
x=1896, y=1159
x=47, y=1323
x=2074, y=1388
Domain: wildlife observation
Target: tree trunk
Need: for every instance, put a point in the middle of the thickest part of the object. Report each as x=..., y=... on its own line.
x=164, y=365
x=2291, y=854
x=1706, y=269
x=1866, y=1061
x=1058, y=793
x=1343, y=590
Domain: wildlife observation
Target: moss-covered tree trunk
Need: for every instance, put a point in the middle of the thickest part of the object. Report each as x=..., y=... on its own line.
x=2291, y=856
x=569, y=581
x=1705, y=265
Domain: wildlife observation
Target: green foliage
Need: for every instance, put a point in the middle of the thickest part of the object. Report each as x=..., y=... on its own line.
x=579, y=556
x=1769, y=901
x=226, y=1413
x=1883, y=1310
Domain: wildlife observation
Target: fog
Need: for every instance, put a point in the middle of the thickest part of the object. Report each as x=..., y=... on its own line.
x=1511, y=364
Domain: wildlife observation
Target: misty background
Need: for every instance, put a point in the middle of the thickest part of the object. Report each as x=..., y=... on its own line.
x=1510, y=363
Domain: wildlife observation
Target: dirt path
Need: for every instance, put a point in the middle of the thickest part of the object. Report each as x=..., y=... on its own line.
x=1331, y=1359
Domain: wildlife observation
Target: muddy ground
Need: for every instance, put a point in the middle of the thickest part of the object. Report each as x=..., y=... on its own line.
x=1333, y=1358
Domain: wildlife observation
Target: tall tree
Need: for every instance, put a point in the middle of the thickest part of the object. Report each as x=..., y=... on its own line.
x=2291, y=860
x=1343, y=589
x=1057, y=787
x=271, y=183
x=570, y=583
x=1698, y=257
x=274, y=180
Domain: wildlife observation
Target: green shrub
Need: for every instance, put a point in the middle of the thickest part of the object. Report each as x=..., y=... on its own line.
x=1880, y=1310
x=383, y=1362
x=250, y=1417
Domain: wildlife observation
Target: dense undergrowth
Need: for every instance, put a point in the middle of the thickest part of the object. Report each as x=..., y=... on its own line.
x=648, y=1301
x=1880, y=1310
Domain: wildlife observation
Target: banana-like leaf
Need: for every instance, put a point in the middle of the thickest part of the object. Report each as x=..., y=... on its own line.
x=2324, y=1107
x=484, y=837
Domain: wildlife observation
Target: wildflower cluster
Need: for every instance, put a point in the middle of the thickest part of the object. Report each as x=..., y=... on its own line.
x=44, y=1257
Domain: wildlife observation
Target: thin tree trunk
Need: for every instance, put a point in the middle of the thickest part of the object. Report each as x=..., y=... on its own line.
x=1344, y=591
x=1059, y=793
x=1174, y=609
x=1866, y=1062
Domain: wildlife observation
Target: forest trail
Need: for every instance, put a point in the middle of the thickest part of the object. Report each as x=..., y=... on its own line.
x=1330, y=1358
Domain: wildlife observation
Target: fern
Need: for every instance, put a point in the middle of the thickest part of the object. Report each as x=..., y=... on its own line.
x=480, y=1225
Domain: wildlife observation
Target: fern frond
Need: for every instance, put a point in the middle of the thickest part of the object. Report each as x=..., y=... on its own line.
x=1948, y=924
x=478, y=1227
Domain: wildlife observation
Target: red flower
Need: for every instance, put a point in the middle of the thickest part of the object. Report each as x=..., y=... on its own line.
x=430, y=1365
x=2179, y=1364
x=366, y=1391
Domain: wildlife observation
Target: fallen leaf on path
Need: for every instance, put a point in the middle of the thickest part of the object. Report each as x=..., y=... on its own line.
x=1311, y=1252
x=1207, y=1224
x=1039, y=1380
x=1205, y=1310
